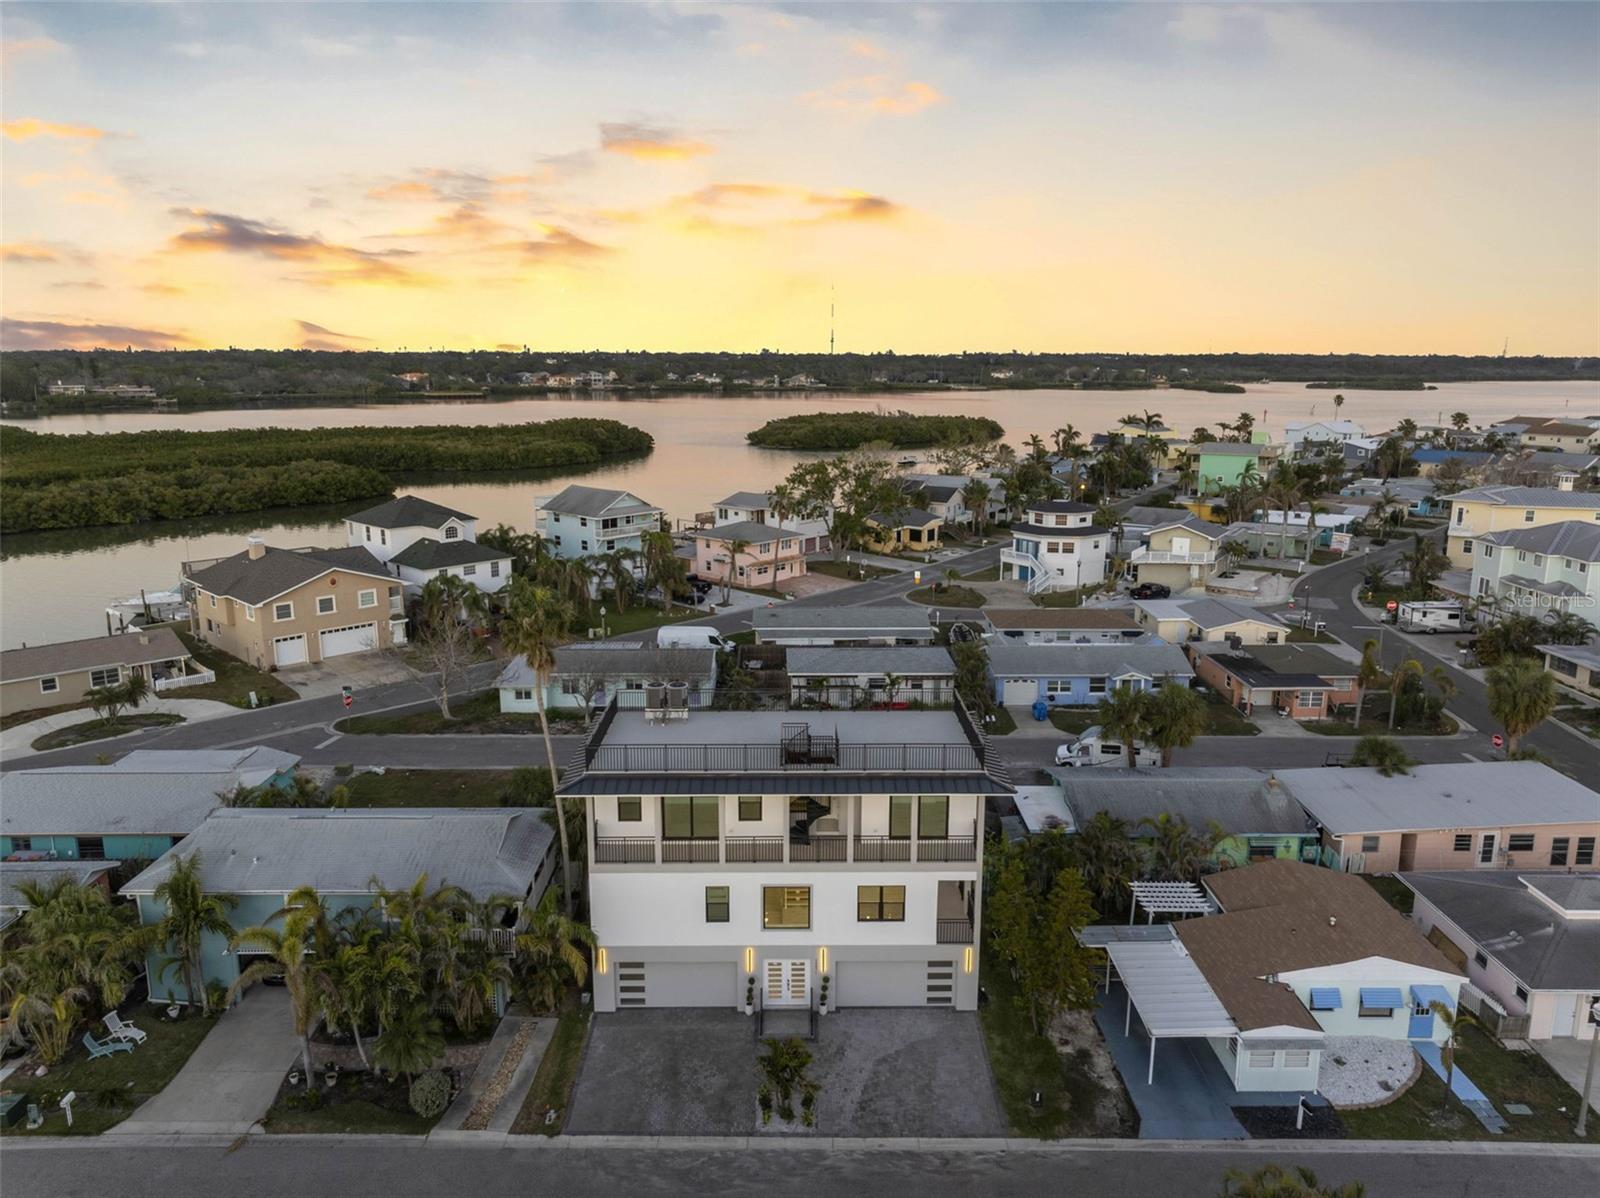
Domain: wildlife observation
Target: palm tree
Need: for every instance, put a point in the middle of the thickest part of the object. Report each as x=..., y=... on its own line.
x=1367, y=673
x=448, y=597
x=1036, y=447
x=189, y=916
x=576, y=582
x=1122, y=716
x=976, y=495
x=616, y=567
x=1408, y=671
x=1177, y=852
x=1568, y=628
x=664, y=570
x=550, y=956
x=1455, y=1019
x=1386, y=755
x=289, y=952
x=538, y=623
x=46, y=1019
x=1066, y=440
x=1283, y=495
x=410, y=1043
x=1108, y=857
x=1338, y=402
x=1174, y=716
x=735, y=548
x=1313, y=509
x=1522, y=693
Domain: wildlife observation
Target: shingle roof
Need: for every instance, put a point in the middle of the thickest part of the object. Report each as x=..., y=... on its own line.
x=1564, y=538
x=578, y=500
x=1059, y=505
x=42, y=873
x=1280, y=671
x=901, y=660
x=745, y=530
x=1281, y=917
x=618, y=659
x=1212, y=532
x=485, y=851
x=1529, y=497
x=256, y=580
x=792, y=615
x=408, y=511
x=1508, y=921
x=934, y=492
x=1205, y=613
x=1060, y=618
x=63, y=657
x=1055, y=530
x=745, y=499
x=429, y=554
x=1140, y=516
x=1243, y=801
x=909, y=517
x=1228, y=449
x=1010, y=659
x=1488, y=794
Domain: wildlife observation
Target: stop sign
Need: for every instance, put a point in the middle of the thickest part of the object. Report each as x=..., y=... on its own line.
x=1497, y=741
x=1391, y=605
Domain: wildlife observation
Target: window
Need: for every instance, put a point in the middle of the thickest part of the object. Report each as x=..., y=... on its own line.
x=685, y=817
x=1538, y=559
x=452, y=533
x=1585, y=851
x=1528, y=516
x=443, y=573
x=1262, y=852
x=468, y=570
x=368, y=527
x=367, y=598
x=1480, y=959
x=583, y=521
x=91, y=848
x=22, y=844
x=213, y=599
x=522, y=696
x=1366, y=1012
x=397, y=605
x=786, y=907
x=49, y=686
x=881, y=904
x=630, y=811
x=1558, y=849
x=900, y=817
x=494, y=569
x=1097, y=686
x=1297, y=1058
x=109, y=676
x=749, y=807
x=282, y=611
x=1369, y=844
x=210, y=627
x=250, y=613
x=933, y=817
x=1310, y=699
x=1463, y=842
x=1522, y=994
x=716, y=904
x=584, y=545
x=1461, y=514
x=1324, y=999
x=1262, y=1058
x=1520, y=842
x=1488, y=551
x=1561, y=666
x=327, y=605
x=383, y=536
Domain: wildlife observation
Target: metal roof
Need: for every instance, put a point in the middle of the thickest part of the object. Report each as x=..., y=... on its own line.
x=1060, y=618
x=617, y=659
x=745, y=530
x=902, y=660
x=1172, y=995
x=1009, y=658
x=1243, y=801
x=42, y=873
x=791, y=615
x=813, y=782
x=408, y=511
x=744, y=499
x=579, y=500
x=1529, y=497
x=1206, y=613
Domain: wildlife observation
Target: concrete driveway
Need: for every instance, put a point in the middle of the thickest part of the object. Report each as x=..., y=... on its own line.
x=318, y=679
x=232, y=1078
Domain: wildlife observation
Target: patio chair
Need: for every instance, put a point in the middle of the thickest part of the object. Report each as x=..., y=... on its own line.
x=120, y=1029
x=104, y=1048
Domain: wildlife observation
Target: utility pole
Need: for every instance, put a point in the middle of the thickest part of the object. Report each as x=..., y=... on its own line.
x=832, y=297
x=1588, y=1074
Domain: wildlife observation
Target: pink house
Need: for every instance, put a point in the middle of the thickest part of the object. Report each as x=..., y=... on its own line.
x=767, y=555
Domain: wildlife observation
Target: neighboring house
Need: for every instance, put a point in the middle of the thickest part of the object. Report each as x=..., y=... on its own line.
x=899, y=624
x=1530, y=941
x=385, y=530
x=1360, y=451
x=1549, y=433
x=872, y=676
x=635, y=673
x=263, y=855
x=1079, y=675
x=44, y=874
x=1062, y=625
x=753, y=507
x=1577, y=666
x=281, y=607
x=907, y=529
x=1178, y=620
x=1483, y=815
x=586, y=521
x=1056, y=546
x=942, y=494
x=133, y=810
x=770, y=555
x=1431, y=461
x=1219, y=465
x=485, y=568
x=1258, y=819
x=63, y=673
x=783, y=847
x=1496, y=509
x=1276, y=539
x=1538, y=571
x=1301, y=682
x=1180, y=553
x=1315, y=437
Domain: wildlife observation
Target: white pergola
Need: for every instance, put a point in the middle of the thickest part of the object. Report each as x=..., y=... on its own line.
x=1169, y=898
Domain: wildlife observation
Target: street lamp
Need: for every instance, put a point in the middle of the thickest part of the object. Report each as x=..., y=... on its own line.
x=602, y=619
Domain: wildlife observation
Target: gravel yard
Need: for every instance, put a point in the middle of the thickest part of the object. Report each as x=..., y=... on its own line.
x=1360, y=1071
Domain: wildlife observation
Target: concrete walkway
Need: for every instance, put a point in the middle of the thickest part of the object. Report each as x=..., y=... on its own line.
x=17, y=741
x=229, y=1083
x=1462, y=1086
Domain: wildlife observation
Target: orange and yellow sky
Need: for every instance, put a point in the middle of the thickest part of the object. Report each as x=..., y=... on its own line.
x=1356, y=178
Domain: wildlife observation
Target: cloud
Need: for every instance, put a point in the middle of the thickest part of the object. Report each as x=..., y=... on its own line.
x=875, y=95
x=21, y=49
x=314, y=336
x=163, y=289
x=79, y=285
x=745, y=207
x=863, y=47
x=327, y=47
x=408, y=190
x=54, y=334
x=27, y=251
x=560, y=245
x=648, y=142
x=328, y=262
x=190, y=49
x=27, y=128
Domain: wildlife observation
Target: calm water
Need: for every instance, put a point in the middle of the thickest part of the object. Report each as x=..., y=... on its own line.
x=56, y=586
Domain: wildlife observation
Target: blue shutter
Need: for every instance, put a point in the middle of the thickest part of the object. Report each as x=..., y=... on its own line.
x=1325, y=1000
x=1381, y=998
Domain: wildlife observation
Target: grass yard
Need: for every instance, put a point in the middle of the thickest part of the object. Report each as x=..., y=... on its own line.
x=1395, y=892
x=1306, y=636
x=853, y=571
x=988, y=574
x=428, y=788
x=479, y=714
x=1074, y=720
x=235, y=678
x=1066, y=598
x=558, y=1073
x=92, y=730
x=1424, y=1113
x=111, y=1088
x=1002, y=724
x=12, y=719
x=1375, y=718
x=947, y=596
x=640, y=618
x=359, y=1103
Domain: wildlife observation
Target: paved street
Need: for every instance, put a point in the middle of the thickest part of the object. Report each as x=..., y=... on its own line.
x=388, y=1166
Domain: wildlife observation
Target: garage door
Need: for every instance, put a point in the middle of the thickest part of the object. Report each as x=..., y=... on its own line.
x=882, y=983
x=358, y=638
x=676, y=984
x=288, y=650
x=1021, y=691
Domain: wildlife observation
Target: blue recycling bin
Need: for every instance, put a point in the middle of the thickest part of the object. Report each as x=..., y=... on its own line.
x=1041, y=710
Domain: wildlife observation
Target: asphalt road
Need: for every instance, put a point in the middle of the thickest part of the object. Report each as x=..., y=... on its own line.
x=389, y=1166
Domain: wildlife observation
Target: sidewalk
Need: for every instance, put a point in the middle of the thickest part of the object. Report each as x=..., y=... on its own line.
x=17, y=741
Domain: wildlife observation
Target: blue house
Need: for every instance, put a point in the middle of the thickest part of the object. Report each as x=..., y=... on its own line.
x=1080, y=675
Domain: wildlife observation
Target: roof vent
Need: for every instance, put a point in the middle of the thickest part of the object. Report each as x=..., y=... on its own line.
x=1332, y=922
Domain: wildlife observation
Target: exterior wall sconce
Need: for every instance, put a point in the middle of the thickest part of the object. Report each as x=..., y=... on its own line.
x=749, y=960
x=966, y=959
x=822, y=960
x=602, y=961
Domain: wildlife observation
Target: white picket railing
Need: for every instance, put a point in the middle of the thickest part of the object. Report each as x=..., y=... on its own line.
x=198, y=678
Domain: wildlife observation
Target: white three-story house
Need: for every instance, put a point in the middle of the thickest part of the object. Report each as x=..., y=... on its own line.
x=588, y=521
x=1057, y=546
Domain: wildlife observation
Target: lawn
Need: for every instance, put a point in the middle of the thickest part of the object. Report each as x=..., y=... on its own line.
x=641, y=618
x=1584, y=719
x=428, y=788
x=1421, y=1113
x=92, y=730
x=111, y=1088
x=359, y=1103
x=947, y=596
x=1221, y=719
x=989, y=574
x=13, y=718
x=1306, y=636
x=479, y=714
x=1074, y=720
x=854, y=571
x=235, y=679
x=1002, y=724
x=558, y=1072
x=1066, y=598
x=1395, y=892
x=1375, y=718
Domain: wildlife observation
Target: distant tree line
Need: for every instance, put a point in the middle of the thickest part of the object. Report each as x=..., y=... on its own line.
x=851, y=430
x=54, y=481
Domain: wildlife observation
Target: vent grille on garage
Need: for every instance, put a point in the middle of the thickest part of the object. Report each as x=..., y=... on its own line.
x=941, y=983
x=630, y=984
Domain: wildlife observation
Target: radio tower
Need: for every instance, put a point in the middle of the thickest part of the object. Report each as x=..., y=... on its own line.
x=830, y=320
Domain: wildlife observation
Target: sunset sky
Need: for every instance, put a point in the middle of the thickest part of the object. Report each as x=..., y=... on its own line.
x=1361, y=178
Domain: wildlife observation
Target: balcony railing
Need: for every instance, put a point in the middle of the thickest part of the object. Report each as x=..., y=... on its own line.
x=179, y=681
x=955, y=848
x=625, y=850
x=751, y=759
x=753, y=848
x=954, y=931
x=828, y=847
x=679, y=849
x=1160, y=557
x=882, y=848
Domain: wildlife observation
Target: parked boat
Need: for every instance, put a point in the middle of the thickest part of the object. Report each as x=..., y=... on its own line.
x=148, y=607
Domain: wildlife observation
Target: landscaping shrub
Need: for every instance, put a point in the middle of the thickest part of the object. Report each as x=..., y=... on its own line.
x=430, y=1094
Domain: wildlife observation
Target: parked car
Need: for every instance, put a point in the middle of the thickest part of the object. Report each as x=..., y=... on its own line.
x=1151, y=590
x=692, y=637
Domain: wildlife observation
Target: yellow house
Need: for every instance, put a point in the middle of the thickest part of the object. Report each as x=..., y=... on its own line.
x=1173, y=443
x=1496, y=509
x=1180, y=554
x=911, y=528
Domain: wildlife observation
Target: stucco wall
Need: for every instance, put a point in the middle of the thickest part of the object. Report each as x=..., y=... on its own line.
x=1436, y=849
x=233, y=631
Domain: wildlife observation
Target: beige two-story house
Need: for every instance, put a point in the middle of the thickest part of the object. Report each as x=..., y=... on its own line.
x=1180, y=554
x=281, y=607
x=1497, y=509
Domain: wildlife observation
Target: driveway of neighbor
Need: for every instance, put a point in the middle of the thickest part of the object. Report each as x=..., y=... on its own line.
x=232, y=1078
x=319, y=679
x=693, y=1072
x=1569, y=1058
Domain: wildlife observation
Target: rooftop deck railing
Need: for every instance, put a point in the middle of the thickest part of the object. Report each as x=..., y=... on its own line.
x=779, y=758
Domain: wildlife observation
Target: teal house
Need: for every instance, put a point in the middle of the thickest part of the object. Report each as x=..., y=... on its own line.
x=133, y=810
x=263, y=855
x=1219, y=465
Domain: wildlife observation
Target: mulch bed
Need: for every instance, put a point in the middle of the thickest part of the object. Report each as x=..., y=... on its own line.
x=1277, y=1123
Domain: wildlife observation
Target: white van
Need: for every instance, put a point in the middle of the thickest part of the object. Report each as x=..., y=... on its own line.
x=1092, y=748
x=694, y=636
x=1433, y=616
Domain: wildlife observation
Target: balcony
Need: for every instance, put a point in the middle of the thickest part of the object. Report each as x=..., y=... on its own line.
x=954, y=848
x=882, y=848
x=954, y=931
x=819, y=753
x=681, y=849
x=1160, y=557
x=743, y=849
x=625, y=850
x=827, y=847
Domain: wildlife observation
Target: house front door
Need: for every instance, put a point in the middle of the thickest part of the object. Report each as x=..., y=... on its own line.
x=1421, y=1027
x=1486, y=850
x=788, y=983
x=1408, y=851
x=1180, y=545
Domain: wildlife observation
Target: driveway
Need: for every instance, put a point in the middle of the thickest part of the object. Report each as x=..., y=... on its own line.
x=316, y=680
x=232, y=1078
x=693, y=1072
x=1569, y=1058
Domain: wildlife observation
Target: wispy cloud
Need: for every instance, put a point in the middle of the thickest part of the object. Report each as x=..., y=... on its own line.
x=328, y=263
x=875, y=95
x=649, y=143
x=743, y=207
x=863, y=47
x=408, y=190
x=27, y=251
x=27, y=128
x=556, y=244
x=315, y=336
x=55, y=334
x=22, y=49
x=163, y=289
x=191, y=49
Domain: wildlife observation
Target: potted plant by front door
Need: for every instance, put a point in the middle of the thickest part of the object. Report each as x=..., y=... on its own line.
x=822, y=996
x=750, y=995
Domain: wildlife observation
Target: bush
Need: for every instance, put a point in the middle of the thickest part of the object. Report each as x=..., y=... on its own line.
x=530, y=786
x=430, y=1094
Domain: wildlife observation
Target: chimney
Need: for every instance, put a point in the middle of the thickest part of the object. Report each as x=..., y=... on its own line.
x=144, y=638
x=1565, y=479
x=254, y=547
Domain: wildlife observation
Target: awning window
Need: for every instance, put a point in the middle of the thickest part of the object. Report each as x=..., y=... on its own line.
x=1381, y=998
x=1325, y=1000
